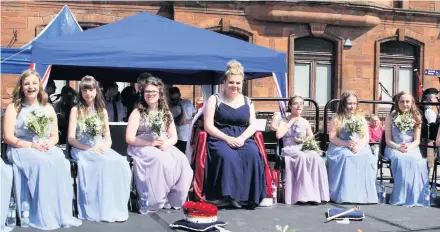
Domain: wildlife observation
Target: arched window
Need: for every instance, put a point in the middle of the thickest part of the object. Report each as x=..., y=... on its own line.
x=397, y=63
x=314, y=68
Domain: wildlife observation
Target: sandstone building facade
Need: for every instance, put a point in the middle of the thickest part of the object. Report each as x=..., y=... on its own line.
x=332, y=46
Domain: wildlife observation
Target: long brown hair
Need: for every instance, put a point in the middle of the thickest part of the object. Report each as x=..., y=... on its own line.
x=18, y=95
x=414, y=111
x=90, y=83
x=342, y=110
x=162, y=105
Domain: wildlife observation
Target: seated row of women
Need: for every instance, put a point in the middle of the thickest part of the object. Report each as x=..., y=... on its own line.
x=103, y=175
x=352, y=166
x=235, y=168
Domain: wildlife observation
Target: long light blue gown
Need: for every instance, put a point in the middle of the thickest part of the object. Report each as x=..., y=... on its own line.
x=5, y=193
x=103, y=182
x=43, y=179
x=410, y=171
x=352, y=177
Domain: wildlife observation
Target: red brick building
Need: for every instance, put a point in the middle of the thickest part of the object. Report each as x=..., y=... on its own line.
x=389, y=39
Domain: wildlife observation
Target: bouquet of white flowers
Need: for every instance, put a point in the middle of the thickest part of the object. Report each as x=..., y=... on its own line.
x=310, y=144
x=157, y=122
x=354, y=126
x=38, y=122
x=93, y=125
x=404, y=122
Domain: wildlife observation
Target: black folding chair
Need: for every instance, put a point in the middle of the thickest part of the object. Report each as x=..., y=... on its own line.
x=382, y=159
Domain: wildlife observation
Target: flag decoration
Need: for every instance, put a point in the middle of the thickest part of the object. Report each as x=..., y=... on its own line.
x=281, y=104
x=419, y=85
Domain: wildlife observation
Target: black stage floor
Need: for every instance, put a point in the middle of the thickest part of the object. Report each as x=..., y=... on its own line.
x=303, y=218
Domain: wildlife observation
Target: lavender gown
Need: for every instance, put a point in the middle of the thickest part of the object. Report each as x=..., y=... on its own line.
x=410, y=171
x=103, y=182
x=166, y=175
x=306, y=175
x=43, y=179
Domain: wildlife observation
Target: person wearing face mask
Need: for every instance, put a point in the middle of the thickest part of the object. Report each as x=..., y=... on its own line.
x=409, y=169
x=305, y=176
x=351, y=164
x=183, y=111
x=113, y=104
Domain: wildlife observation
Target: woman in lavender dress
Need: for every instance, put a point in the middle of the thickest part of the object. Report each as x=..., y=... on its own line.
x=352, y=165
x=159, y=167
x=103, y=175
x=43, y=172
x=306, y=175
x=410, y=171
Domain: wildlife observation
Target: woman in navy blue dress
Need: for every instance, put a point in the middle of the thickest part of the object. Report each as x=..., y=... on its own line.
x=235, y=168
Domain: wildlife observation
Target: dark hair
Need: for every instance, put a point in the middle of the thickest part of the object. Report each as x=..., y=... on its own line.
x=50, y=82
x=128, y=98
x=341, y=111
x=90, y=83
x=162, y=106
x=174, y=90
x=18, y=96
x=143, y=78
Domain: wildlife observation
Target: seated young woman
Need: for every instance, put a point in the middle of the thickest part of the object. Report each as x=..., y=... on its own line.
x=31, y=132
x=409, y=169
x=104, y=176
x=235, y=168
x=352, y=165
x=160, y=168
x=306, y=175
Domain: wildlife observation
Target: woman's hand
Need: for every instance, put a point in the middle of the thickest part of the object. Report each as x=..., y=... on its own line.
x=235, y=142
x=40, y=147
x=298, y=140
x=403, y=148
x=157, y=143
x=355, y=149
x=96, y=148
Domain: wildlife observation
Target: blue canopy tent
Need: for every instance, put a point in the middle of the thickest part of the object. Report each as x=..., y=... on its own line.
x=176, y=52
x=16, y=60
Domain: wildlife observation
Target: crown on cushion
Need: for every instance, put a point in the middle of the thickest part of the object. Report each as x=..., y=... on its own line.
x=199, y=212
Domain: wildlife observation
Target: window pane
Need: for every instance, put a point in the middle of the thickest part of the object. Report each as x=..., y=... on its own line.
x=405, y=80
x=323, y=83
x=59, y=85
x=386, y=79
x=301, y=83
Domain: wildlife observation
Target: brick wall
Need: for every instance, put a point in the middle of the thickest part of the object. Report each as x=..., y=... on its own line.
x=357, y=66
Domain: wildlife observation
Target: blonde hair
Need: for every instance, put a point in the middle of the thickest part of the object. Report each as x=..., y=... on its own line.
x=414, y=111
x=234, y=68
x=18, y=96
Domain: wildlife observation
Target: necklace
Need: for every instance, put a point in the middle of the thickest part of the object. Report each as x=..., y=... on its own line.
x=230, y=102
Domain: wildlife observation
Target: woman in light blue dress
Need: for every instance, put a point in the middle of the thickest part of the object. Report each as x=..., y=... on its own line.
x=42, y=169
x=410, y=171
x=351, y=163
x=104, y=176
x=5, y=194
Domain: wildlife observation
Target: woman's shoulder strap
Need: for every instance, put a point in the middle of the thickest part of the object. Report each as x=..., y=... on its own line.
x=247, y=100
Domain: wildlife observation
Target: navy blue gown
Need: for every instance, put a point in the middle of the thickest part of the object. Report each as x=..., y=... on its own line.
x=236, y=173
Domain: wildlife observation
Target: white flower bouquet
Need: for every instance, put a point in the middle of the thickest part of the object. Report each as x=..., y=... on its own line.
x=404, y=122
x=38, y=122
x=354, y=126
x=93, y=125
x=157, y=123
x=310, y=144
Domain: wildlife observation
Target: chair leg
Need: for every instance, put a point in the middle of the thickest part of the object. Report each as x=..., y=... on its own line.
x=134, y=196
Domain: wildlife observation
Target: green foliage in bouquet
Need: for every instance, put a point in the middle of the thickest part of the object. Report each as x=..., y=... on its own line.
x=38, y=122
x=354, y=125
x=157, y=122
x=93, y=125
x=310, y=144
x=404, y=122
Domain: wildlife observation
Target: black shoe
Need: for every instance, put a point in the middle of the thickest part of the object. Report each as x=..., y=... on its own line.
x=235, y=204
